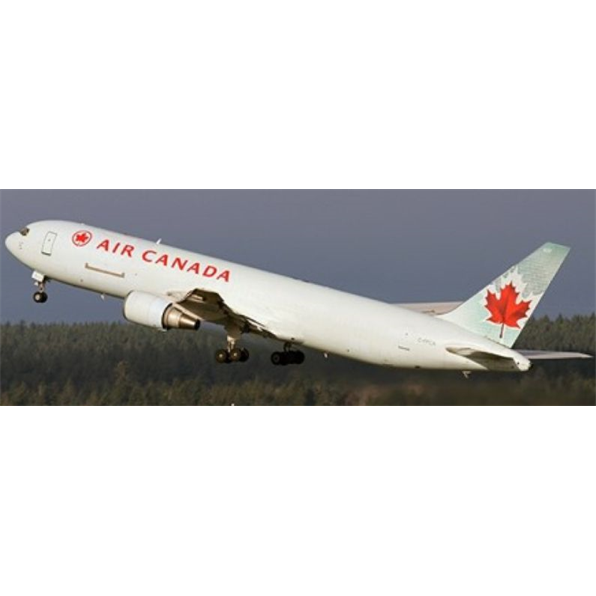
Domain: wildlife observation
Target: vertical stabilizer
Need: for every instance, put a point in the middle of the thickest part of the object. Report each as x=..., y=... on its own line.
x=501, y=310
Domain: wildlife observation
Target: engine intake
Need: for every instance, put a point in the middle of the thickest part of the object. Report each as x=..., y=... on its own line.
x=157, y=312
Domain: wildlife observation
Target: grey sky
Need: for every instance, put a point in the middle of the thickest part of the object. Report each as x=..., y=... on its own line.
x=398, y=246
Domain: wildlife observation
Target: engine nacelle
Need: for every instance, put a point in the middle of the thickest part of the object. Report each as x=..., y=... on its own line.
x=157, y=312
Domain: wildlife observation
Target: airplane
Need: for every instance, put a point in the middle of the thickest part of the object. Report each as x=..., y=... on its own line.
x=166, y=288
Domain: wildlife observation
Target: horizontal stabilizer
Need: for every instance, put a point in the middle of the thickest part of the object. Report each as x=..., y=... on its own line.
x=540, y=355
x=505, y=362
x=431, y=308
x=474, y=354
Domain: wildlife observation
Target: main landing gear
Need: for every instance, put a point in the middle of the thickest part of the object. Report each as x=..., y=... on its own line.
x=288, y=356
x=231, y=356
x=232, y=353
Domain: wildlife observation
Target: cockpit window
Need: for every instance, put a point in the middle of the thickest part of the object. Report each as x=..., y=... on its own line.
x=24, y=231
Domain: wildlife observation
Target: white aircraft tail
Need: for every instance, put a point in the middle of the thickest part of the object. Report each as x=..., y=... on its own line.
x=501, y=310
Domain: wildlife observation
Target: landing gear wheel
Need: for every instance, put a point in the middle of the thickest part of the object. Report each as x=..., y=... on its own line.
x=236, y=355
x=222, y=357
x=295, y=357
x=279, y=359
x=232, y=356
x=287, y=357
x=40, y=297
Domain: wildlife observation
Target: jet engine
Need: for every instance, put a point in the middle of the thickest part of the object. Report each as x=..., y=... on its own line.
x=157, y=312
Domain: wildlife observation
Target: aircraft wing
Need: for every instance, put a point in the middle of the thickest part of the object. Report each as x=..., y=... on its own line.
x=211, y=307
x=431, y=308
x=541, y=355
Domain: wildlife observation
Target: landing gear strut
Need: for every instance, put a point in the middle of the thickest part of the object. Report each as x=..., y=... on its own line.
x=288, y=356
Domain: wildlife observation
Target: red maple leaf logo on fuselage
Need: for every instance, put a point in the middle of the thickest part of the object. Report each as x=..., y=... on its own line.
x=81, y=238
x=505, y=310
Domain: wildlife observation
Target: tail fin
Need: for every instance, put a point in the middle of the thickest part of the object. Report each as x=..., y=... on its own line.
x=501, y=310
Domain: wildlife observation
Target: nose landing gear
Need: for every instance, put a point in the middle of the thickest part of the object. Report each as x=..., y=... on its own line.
x=40, y=281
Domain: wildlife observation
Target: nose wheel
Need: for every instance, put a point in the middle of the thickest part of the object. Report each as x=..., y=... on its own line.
x=40, y=281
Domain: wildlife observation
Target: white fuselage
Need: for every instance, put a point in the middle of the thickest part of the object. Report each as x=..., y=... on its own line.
x=294, y=311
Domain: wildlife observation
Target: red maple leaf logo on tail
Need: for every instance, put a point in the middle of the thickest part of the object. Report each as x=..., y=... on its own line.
x=505, y=311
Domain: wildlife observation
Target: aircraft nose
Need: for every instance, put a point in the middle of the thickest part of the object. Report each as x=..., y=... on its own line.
x=11, y=242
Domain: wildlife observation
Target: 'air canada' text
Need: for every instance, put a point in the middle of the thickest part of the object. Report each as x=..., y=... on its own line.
x=165, y=260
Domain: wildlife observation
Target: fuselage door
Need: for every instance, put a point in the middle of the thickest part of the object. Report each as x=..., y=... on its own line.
x=48, y=243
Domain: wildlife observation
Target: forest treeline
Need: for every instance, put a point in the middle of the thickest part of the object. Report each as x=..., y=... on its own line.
x=122, y=364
